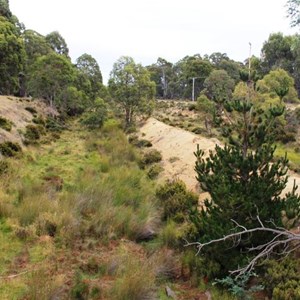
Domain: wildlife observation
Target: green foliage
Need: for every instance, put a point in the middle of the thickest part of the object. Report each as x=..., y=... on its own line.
x=57, y=43
x=50, y=75
x=40, y=284
x=135, y=280
x=243, y=182
x=33, y=133
x=176, y=200
x=97, y=114
x=4, y=166
x=54, y=124
x=4, y=9
x=35, y=46
x=10, y=149
x=140, y=143
x=131, y=87
x=5, y=124
x=293, y=12
x=277, y=81
x=282, y=278
x=277, y=53
x=238, y=286
x=12, y=57
x=204, y=104
x=150, y=157
x=31, y=109
x=90, y=77
x=154, y=171
x=80, y=289
x=219, y=87
x=192, y=107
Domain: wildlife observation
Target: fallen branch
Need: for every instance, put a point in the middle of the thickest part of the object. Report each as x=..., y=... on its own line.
x=282, y=237
x=13, y=276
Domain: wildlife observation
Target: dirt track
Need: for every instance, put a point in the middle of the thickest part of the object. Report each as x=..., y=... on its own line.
x=177, y=146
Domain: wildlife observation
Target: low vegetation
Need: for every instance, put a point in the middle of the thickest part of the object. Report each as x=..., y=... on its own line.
x=5, y=124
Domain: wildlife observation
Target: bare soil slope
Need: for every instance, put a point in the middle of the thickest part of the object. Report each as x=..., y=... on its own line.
x=14, y=110
x=177, y=146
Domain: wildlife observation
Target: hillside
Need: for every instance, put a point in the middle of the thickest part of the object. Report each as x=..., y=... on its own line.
x=20, y=112
x=177, y=147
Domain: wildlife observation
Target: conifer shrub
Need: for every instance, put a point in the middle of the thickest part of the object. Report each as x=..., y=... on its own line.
x=243, y=182
x=5, y=124
x=10, y=149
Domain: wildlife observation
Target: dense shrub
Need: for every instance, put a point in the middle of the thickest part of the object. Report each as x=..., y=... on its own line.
x=33, y=133
x=5, y=124
x=204, y=104
x=39, y=120
x=176, y=200
x=150, y=157
x=134, y=140
x=10, y=149
x=95, y=117
x=80, y=289
x=282, y=279
x=192, y=107
x=154, y=171
x=54, y=124
x=31, y=109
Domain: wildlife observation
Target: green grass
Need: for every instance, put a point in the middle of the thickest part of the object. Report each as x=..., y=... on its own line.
x=293, y=156
x=10, y=246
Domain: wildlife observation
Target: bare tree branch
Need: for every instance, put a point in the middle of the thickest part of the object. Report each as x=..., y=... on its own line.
x=289, y=240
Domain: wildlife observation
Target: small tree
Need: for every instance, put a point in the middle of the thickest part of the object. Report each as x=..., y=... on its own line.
x=243, y=181
x=219, y=87
x=131, y=87
x=96, y=115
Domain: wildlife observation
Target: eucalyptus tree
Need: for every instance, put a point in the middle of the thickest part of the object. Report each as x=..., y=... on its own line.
x=219, y=87
x=294, y=12
x=12, y=57
x=57, y=43
x=50, y=75
x=131, y=87
x=90, y=77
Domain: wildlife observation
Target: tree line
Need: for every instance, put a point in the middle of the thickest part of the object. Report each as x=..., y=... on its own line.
x=40, y=66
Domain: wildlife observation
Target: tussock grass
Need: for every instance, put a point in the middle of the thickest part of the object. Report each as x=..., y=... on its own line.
x=104, y=198
x=135, y=280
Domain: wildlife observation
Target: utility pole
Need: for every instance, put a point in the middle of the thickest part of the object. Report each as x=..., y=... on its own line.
x=249, y=76
x=193, y=91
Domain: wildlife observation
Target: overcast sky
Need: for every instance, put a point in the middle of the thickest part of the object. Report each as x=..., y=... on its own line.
x=148, y=29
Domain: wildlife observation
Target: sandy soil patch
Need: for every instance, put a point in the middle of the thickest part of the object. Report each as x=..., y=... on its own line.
x=177, y=147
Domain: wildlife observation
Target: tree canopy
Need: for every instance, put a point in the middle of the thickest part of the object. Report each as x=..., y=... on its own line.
x=131, y=87
x=12, y=57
